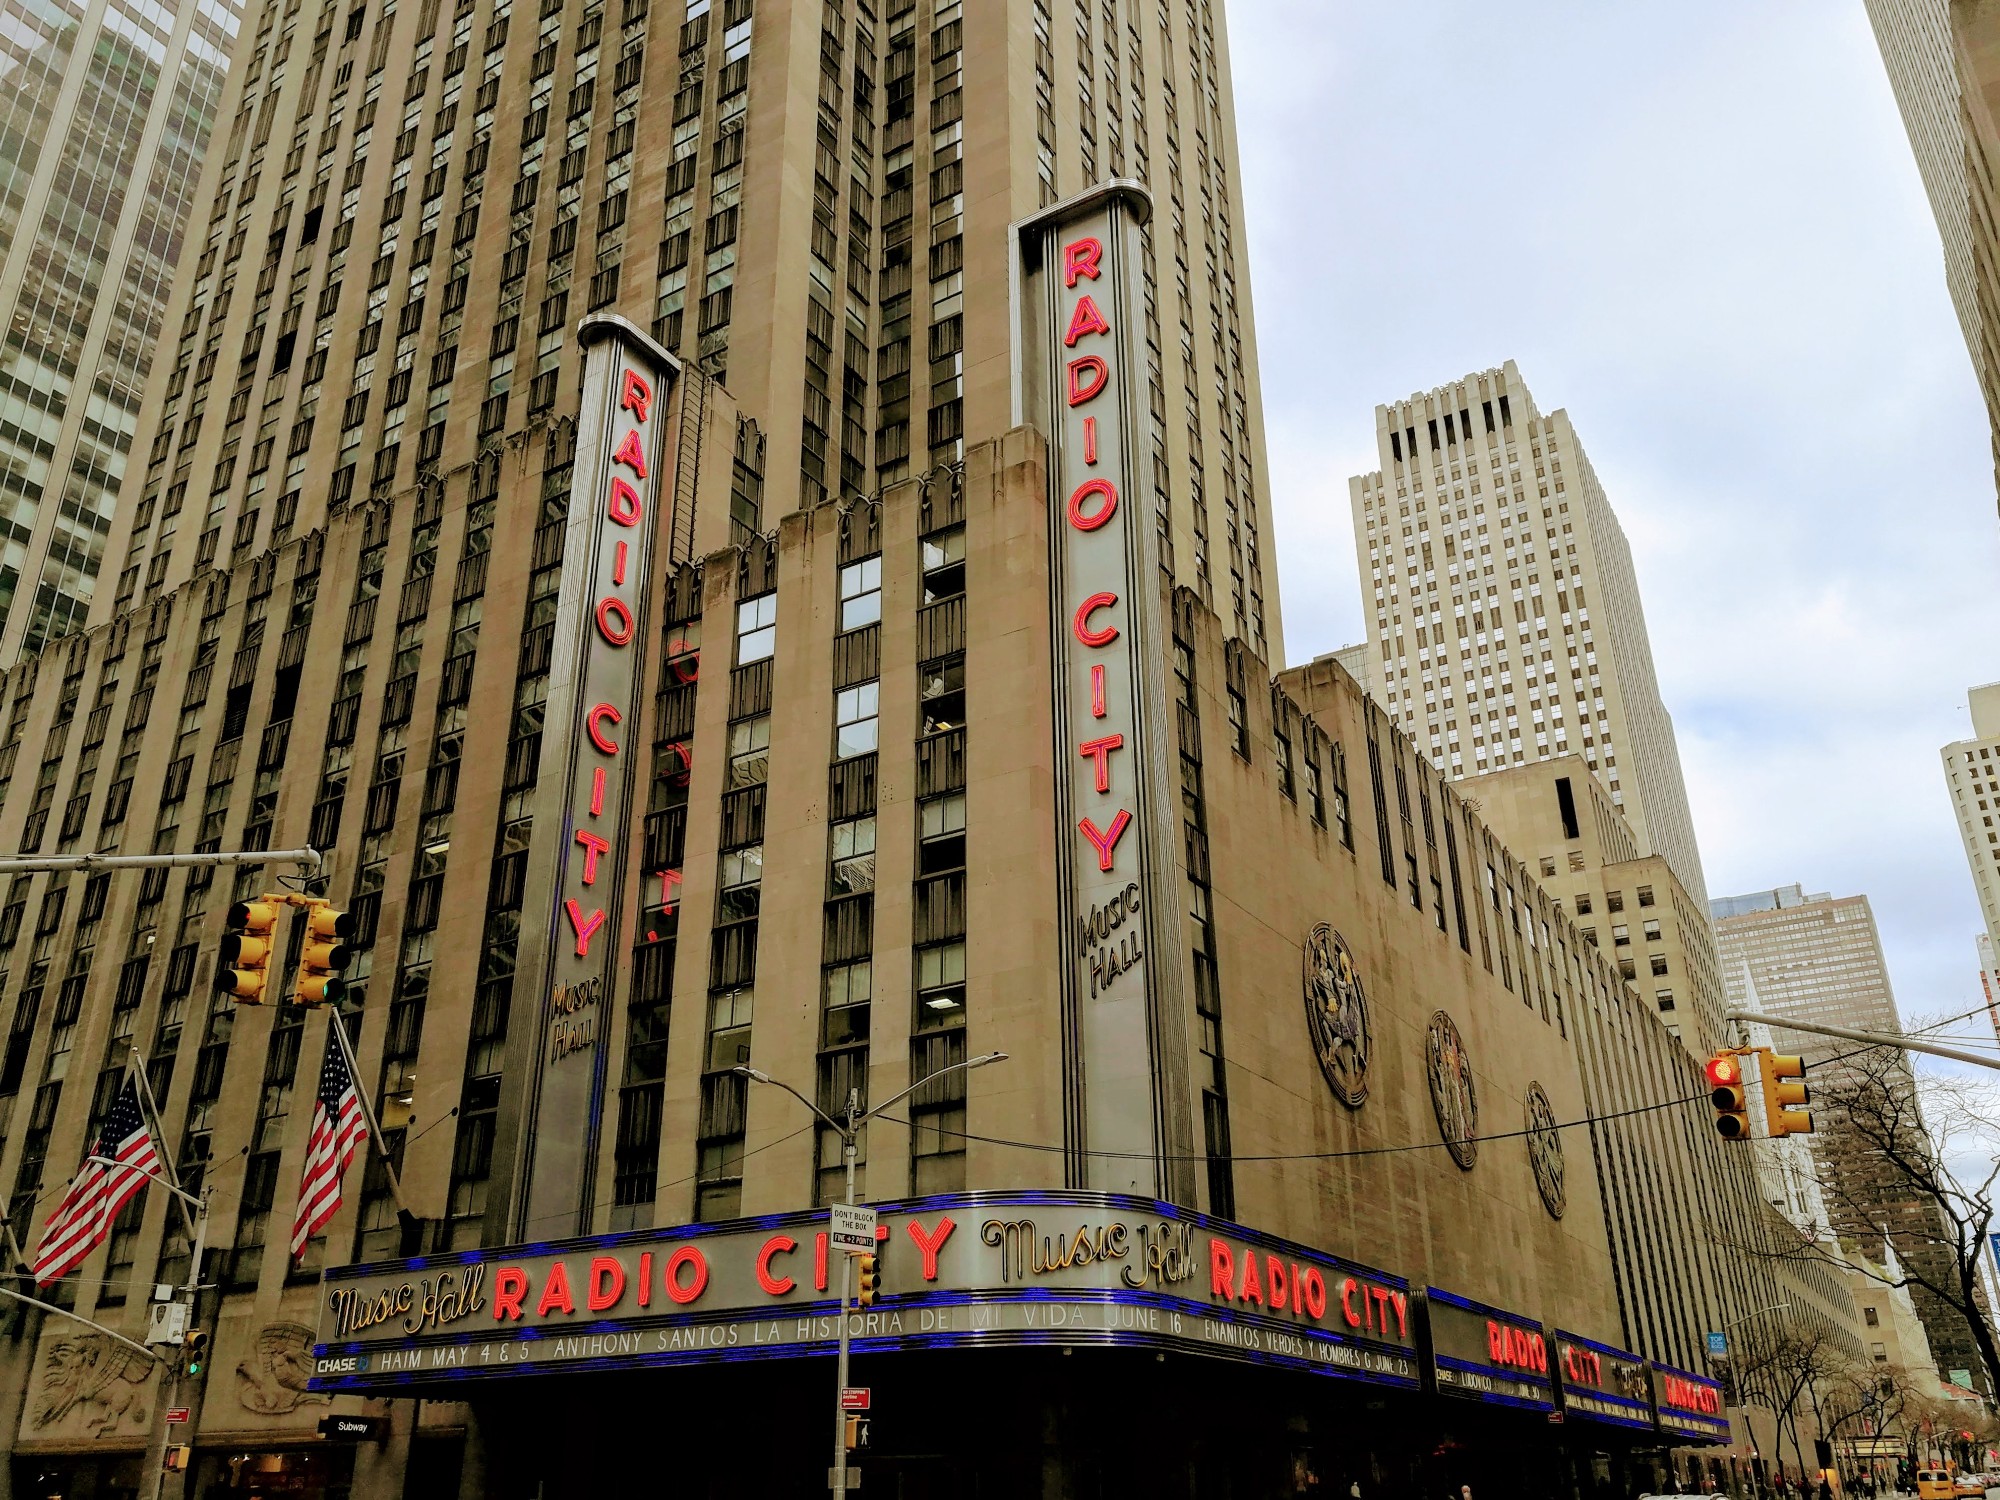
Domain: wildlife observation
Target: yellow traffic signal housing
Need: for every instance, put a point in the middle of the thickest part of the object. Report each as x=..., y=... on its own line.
x=853, y=1432
x=242, y=962
x=179, y=1457
x=1785, y=1095
x=864, y=1277
x=195, y=1344
x=323, y=955
x=1729, y=1096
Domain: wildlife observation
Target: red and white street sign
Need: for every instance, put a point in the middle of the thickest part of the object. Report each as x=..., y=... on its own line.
x=854, y=1398
x=176, y=1415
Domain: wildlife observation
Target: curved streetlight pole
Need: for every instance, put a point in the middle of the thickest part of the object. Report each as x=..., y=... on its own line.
x=848, y=1128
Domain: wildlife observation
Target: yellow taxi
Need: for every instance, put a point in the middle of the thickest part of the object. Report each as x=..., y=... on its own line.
x=1936, y=1484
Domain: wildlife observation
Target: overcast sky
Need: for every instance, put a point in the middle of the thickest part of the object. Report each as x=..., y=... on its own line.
x=1697, y=225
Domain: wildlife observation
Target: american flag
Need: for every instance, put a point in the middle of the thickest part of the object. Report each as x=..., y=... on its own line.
x=337, y=1128
x=83, y=1218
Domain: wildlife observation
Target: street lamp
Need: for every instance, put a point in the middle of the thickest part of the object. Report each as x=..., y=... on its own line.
x=854, y=1117
x=1742, y=1388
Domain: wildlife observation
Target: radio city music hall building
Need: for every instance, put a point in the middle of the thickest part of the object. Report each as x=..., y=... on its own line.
x=1282, y=1185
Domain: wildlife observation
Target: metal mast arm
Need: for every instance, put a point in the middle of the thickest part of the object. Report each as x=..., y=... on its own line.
x=1872, y=1038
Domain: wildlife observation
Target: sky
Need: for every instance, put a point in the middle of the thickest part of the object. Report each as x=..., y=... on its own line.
x=1698, y=226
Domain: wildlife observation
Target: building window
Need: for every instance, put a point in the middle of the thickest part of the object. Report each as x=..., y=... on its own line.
x=855, y=712
x=943, y=694
x=749, y=752
x=848, y=989
x=1614, y=901
x=861, y=593
x=1620, y=934
x=1315, y=797
x=729, y=1029
x=1665, y=997
x=1873, y=1319
x=1282, y=753
x=940, y=986
x=756, y=629
x=1583, y=903
x=944, y=564
x=741, y=883
x=1659, y=963
x=941, y=834
x=1645, y=895
x=1651, y=927
x=853, y=857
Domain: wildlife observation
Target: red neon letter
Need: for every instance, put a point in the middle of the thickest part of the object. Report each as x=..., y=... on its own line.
x=1315, y=1292
x=1221, y=1270
x=777, y=1244
x=620, y=633
x=1102, y=840
x=555, y=1291
x=687, y=1255
x=623, y=504
x=596, y=791
x=593, y=846
x=509, y=1287
x=1080, y=625
x=636, y=397
x=1097, y=691
x=1085, y=320
x=645, y=1278
x=819, y=1261
x=607, y=1283
x=1402, y=1305
x=1086, y=368
x=1100, y=749
x=1274, y=1273
x=1347, y=1290
x=631, y=454
x=929, y=1245
x=598, y=737
x=1252, y=1289
x=584, y=926
x=1080, y=258
x=1083, y=492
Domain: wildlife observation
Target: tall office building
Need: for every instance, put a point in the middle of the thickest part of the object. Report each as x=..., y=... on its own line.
x=105, y=113
x=1506, y=625
x=1943, y=58
x=418, y=200
x=1972, y=775
x=1818, y=957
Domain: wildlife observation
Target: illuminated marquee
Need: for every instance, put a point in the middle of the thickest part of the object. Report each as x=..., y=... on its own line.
x=1689, y=1407
x=978, y=1269
x=1082, y=381
x=584, y=813
x=1487, y=1353
x=1602, y=1384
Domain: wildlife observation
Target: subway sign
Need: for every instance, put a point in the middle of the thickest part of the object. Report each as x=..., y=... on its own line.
x=964, y=1269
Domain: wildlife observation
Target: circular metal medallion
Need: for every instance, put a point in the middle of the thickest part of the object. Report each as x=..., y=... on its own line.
x=1545, y=1150
x=1337, y=1015
x=1453, y=1097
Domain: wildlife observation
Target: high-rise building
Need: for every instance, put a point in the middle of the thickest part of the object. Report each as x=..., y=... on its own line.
x=1818, y=957
x=1355, y=660
x=1504, y=618
x=1972, y=775
x=105, y=114
x=416, y=202
x=1989, y=978
x=1943, y=59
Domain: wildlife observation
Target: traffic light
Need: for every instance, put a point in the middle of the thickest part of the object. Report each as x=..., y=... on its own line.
x=323, y=955
x=864, y=1281
x=1727, y=1094
x=195, y=1347
x=1785, y=1095
x=243, y=961
x=857, y=1433
x=179, y=1456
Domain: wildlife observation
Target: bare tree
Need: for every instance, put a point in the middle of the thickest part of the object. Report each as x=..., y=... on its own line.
x=1942, y=1160
x=1789, y=1368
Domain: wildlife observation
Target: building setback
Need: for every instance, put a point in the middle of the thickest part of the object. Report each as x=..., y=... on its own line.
x=1972, y=776
x=1506, y=624
x=105, y=115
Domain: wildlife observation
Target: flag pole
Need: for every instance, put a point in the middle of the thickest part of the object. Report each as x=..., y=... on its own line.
x=337, y=1032
x=150, y=1107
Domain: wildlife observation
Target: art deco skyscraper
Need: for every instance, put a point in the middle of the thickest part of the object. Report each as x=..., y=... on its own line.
x=809, y=198
x=1504, y=619
x=104, y=118
x=1972, y=774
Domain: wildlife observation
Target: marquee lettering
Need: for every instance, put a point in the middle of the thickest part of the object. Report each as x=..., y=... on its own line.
x=770, y=1281
x=1087, y=375
x=631, y=454
x=603, y=713
x=1082, y=258
x=593, y=845
x=1084, y=321
x=1105, y=840
x=635, y=396
x=1100, y=750
x=1102, y=490
x=1088, y=634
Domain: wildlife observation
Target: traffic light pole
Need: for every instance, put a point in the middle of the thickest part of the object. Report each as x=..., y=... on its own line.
x=1872, y=1038
x=24, y=864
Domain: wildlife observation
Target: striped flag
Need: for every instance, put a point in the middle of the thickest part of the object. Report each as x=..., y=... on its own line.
x=337, y=1128
x=83, y=1218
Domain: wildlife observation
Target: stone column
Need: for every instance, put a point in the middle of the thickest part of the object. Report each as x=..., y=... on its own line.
x=379, y=1467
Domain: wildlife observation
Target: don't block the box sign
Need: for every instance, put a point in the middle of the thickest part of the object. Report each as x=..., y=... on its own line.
x=1080, y=376
x=576, y=889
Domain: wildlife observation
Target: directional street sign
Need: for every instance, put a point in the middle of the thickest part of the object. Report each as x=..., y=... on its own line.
x=1718, y=1345
x=854, y=1398
x=176, y=1415
x=853, y=1228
